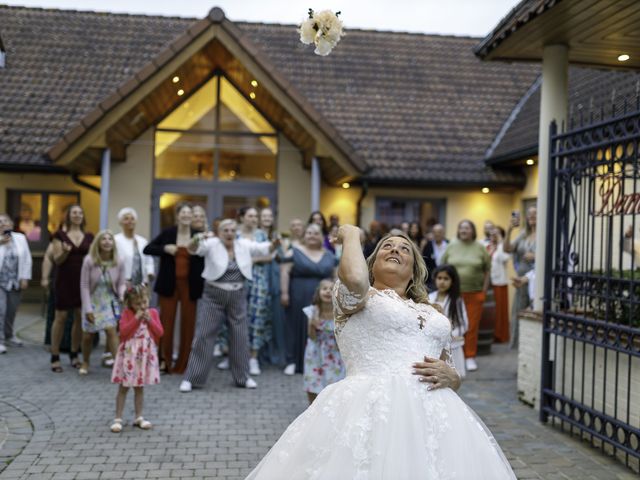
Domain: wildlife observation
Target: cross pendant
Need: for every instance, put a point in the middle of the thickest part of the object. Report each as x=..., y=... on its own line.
x=421, y=321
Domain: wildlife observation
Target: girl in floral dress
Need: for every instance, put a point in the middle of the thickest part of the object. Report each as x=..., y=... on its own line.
x=136, y=362
x=322, y=362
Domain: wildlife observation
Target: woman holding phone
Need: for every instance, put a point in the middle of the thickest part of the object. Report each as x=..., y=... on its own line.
x=523, y=249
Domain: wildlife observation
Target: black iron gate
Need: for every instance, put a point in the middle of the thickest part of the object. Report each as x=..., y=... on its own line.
x=591, y=339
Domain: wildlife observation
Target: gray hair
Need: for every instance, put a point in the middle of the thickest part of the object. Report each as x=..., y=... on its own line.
x=127, y=211
x=6, y=215
x=226, y=222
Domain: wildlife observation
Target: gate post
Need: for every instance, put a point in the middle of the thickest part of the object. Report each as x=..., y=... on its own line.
x=546, y=370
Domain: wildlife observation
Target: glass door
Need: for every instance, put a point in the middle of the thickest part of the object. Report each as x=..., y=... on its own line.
x=166, y=198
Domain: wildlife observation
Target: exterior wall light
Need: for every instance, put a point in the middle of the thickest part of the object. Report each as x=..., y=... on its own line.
x=175, y=79
x=252, y=95
x=530, y=161
x=346, y=185
x=180, y=92
x=485, y=190
x=254, y=83
x=623, y=58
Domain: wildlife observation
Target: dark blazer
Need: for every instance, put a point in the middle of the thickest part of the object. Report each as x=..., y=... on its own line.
x=429, y=256
x=166, y=280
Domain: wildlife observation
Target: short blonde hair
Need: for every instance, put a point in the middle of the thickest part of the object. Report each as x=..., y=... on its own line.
x=416, y=290
x=225, y=222
x=94, y=249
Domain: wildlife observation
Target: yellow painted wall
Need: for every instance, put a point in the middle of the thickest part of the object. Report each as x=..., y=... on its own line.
x=89, y=199
x=294, y=185
x=131, y=183
x=340, y=201
x=531, y=188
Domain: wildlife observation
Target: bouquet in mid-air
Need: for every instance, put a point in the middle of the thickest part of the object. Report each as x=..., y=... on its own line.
x=323, y=29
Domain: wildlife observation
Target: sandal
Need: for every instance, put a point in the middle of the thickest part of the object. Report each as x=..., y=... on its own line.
x=55, y=364
x=84, y=370
x=73, y=358
x=116, y=426
x=140, y=422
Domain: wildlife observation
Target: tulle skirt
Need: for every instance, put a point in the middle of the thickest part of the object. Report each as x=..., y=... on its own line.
x=385, y=427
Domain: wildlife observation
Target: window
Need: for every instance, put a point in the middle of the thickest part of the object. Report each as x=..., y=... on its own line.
x=39, y=214
x=216, y=134
x=393, y=211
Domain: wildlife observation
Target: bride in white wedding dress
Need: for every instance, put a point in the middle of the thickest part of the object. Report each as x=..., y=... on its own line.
x=381, y=422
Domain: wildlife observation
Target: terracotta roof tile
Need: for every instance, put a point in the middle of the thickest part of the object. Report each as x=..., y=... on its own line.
x=419, y=108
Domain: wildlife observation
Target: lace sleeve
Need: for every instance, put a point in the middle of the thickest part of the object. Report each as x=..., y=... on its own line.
x=345, y=303
x=447, y=356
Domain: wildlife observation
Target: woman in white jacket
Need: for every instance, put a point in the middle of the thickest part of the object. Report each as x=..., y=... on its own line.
x=138, y=267
x=227, y=265
x=15, y=273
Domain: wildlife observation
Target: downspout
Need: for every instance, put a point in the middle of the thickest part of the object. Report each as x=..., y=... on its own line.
x=363, y=193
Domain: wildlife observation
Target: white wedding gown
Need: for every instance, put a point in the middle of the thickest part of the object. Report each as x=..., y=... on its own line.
x=380, y=422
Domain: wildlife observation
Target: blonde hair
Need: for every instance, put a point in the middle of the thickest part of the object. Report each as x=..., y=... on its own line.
x=316, y=301
x=416, y=290
x=204, y=212
x=133, y=294
x=94, y=249
x=224, y=223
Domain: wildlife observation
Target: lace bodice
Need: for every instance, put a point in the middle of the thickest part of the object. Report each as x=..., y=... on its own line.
x=385, y=337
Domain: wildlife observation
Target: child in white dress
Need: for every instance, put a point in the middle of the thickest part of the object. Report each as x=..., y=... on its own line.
x=447, y=296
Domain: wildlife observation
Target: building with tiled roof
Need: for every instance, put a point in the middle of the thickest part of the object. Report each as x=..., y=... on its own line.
x=391, y=125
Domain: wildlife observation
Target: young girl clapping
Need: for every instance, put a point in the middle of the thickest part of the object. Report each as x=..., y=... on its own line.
x=322, y=362
x=136, y=362
x=447, y=295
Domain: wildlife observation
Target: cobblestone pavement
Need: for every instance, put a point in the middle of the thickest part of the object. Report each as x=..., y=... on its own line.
x=55, y=426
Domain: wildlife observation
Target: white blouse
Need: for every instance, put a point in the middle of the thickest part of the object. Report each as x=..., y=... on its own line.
x=125, y=247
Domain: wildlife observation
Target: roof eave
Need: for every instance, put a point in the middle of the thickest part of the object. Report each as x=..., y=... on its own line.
x=505, y=158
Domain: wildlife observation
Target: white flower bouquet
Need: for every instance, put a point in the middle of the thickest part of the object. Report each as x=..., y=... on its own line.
x=323, y=29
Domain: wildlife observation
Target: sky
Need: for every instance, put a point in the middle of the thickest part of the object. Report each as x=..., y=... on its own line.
x=451, y=17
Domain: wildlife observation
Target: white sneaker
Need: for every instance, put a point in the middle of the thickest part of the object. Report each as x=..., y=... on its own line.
x=290, y=369
x=254, y=367
x=14, y=341
x=250, y=383
x=3, y=349
x=224, y=364
x=471, y=365
x=217, y=351
x=185, y=386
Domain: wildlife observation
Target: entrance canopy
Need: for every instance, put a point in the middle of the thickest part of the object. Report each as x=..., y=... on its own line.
x=598, y=33
x=211, y=47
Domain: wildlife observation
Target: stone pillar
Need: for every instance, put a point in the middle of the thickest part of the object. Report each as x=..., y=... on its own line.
x=105, y=174
x=553, y=106
x=315, y=184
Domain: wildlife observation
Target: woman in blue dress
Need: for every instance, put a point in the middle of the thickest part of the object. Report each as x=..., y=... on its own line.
x=309, y=263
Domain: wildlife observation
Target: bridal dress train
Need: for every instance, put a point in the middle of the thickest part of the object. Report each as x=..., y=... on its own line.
x=380, y=422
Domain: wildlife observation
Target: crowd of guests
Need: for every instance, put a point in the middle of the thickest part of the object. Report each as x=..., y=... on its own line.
x=241, y=291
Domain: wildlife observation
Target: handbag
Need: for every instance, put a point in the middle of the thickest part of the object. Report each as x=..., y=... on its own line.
x=116, y=306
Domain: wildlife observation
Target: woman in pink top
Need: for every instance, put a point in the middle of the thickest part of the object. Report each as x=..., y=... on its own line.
x=102, y=284
x=136, y=362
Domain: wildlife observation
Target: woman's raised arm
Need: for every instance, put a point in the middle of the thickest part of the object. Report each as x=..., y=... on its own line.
x=352, y=271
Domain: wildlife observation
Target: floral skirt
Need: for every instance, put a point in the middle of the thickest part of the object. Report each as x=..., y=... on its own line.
x=136, y=363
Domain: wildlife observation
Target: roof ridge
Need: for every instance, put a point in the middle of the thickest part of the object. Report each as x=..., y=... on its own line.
x=97, y=12
x=237, y=22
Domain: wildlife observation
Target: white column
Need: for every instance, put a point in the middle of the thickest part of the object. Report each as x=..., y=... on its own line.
x=553, y=106
x=104, y=188
x=315, y=184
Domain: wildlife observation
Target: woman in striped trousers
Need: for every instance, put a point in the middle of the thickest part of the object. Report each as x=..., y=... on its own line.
x=227, y=265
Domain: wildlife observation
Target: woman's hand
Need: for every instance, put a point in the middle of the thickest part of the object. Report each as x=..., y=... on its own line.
x=170, y=249
x=437, y=374
x=90, y=318
x=344, y=231
x=284, y=299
